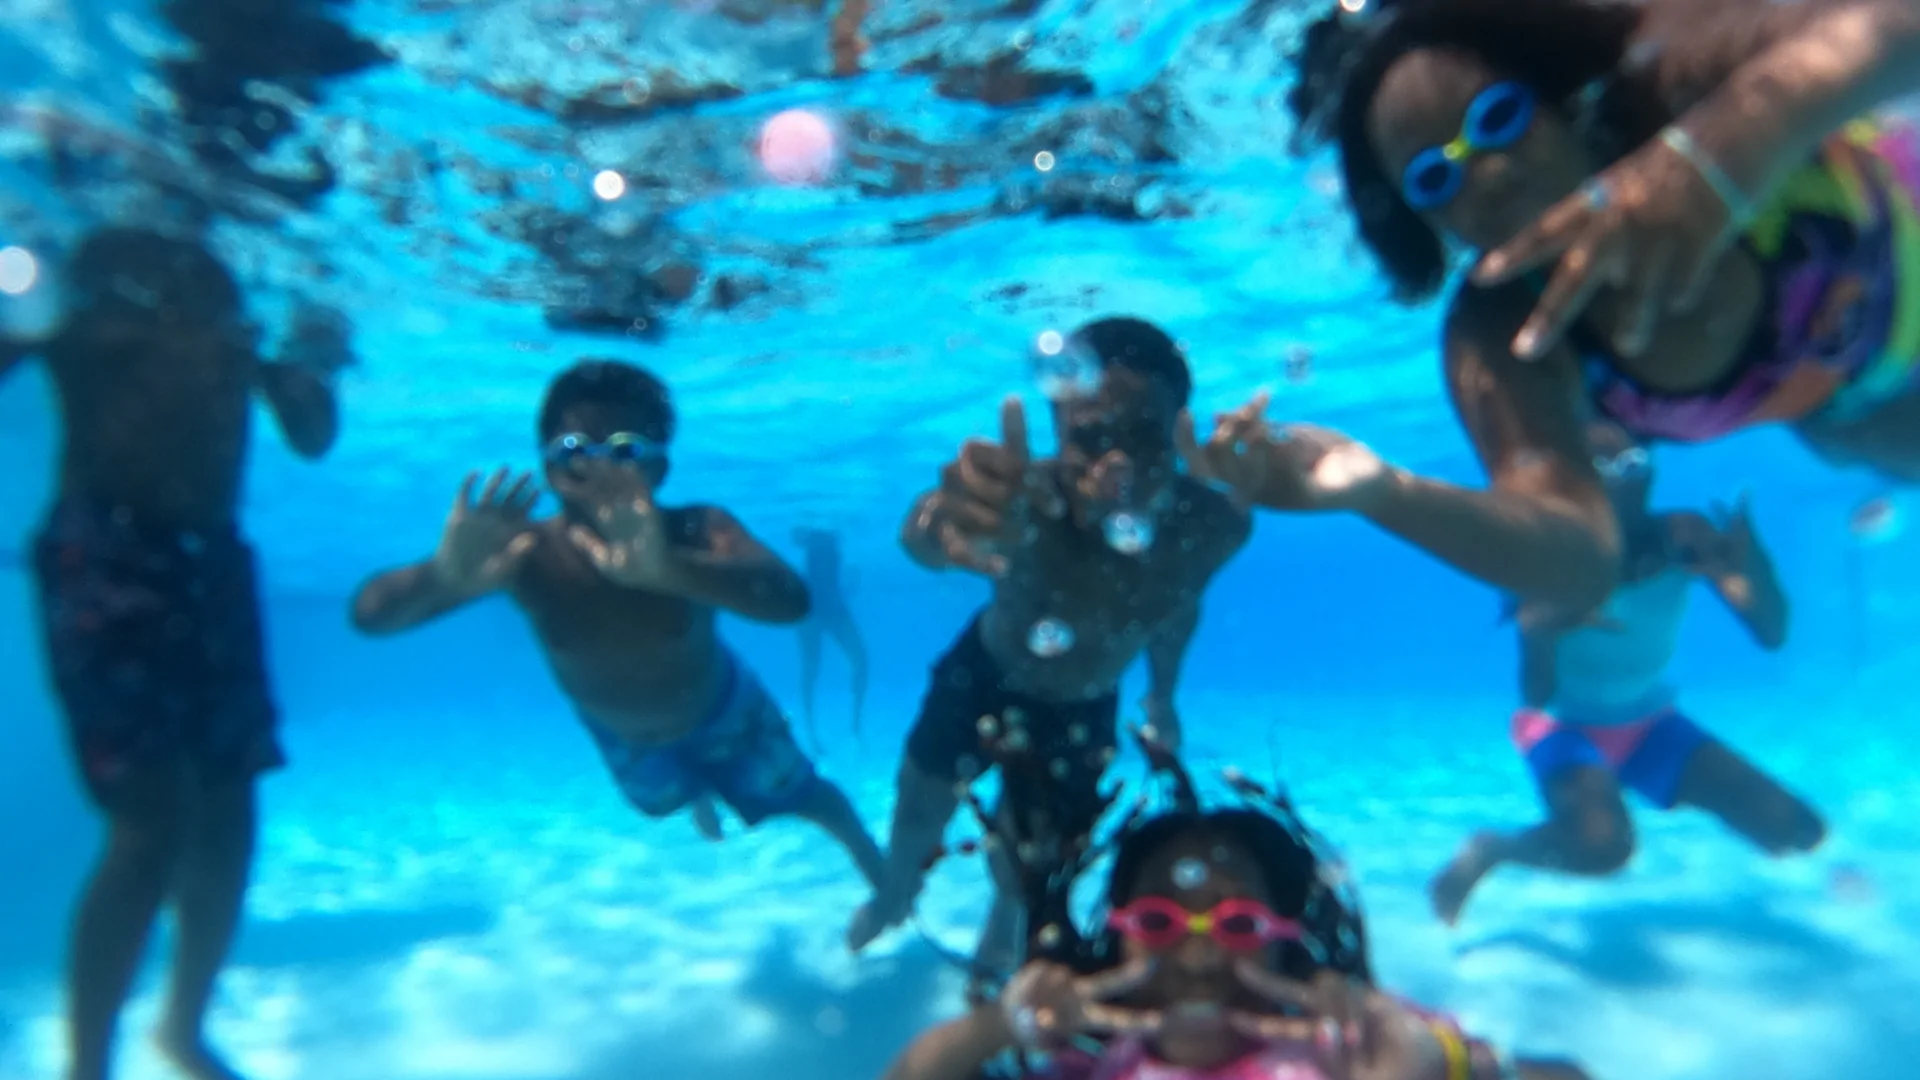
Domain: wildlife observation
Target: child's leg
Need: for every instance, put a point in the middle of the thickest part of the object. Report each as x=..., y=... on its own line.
x=1678, y=764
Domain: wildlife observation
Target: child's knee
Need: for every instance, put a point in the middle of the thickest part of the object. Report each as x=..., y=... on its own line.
x=1601, y=844
x=1789, y=826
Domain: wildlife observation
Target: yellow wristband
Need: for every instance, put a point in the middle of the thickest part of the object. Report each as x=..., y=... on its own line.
x=1459, y=1062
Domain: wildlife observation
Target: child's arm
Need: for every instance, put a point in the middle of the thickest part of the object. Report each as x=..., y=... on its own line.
x=957, y=1049
x=1730, y=558
x=730, y=568
x=298, y=385
x=482, y=546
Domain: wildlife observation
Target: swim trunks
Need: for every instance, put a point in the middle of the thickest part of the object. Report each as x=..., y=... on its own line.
x=1648, y=755
x=1076, y=739
x=155, y=648
x=743, y=752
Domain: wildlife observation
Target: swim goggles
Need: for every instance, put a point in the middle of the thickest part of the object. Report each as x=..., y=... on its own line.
x=1097, y=437
x=1498, y=117
x=621, y=447
x=1238, y=925
x=1629, y=464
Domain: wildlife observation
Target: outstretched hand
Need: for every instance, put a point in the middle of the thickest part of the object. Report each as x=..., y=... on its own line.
x=1046, y=1005
x=980, y=508
x=1651, y=226
x=628, y=540
x=486, y=537
x=1358, y=1033
x=1297, y=467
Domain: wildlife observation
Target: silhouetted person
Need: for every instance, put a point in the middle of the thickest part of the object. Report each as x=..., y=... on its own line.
x=830, y=618
x=148, y=598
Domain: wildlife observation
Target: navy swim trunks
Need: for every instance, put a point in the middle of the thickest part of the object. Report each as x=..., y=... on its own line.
x=155, y=648
x=744, y=752
x=1073, y=741
x=1649, y=756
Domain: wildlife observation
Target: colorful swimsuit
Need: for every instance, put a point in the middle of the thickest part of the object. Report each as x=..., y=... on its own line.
x=1840, y=247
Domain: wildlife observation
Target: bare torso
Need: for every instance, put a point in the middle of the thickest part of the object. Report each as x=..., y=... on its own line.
x=155, y=422
x=1110, y=602
x=645, y=666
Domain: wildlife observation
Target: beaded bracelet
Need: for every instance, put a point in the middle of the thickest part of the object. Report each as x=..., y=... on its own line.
x=1739, y=206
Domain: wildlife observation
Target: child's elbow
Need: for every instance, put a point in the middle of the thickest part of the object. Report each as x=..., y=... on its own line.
x=788, y=601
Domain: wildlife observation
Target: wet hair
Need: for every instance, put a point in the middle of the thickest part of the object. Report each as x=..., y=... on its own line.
x=611, y=384
x=1143, y=348
x=1327, y=47
x=125, y=270
x=1303, y=879
x=1571, y=53
x=1291, y=870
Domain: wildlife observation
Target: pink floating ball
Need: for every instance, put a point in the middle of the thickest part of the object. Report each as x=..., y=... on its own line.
x=797, y=147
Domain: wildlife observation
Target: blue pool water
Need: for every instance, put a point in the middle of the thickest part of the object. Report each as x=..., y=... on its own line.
x=449, y=884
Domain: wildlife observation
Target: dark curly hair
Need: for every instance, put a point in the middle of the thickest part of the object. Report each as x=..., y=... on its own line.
x=1327, y=46
x=1290, y=867
x=1050, y=837
x=1143, y=348
x=597, y=381
x=1572, y=53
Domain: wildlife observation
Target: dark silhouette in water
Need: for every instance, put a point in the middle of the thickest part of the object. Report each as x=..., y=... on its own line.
x=150, y=606
x=830, y=618
x=292, y=46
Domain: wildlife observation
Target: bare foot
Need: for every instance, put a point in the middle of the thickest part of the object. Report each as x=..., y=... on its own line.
x=1449, y=891
x=706, y=818
x=874, y=918
x=865, y=927
x=190, y=1054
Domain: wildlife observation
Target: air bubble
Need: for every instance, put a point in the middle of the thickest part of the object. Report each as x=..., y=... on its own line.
x=609, y=185
x=1190, y=873
x=1064, y=368
x=1127, y=532
x=1049, y=638
x=18, y=271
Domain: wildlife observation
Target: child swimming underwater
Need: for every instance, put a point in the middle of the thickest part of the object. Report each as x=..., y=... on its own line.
x=1231, y=950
